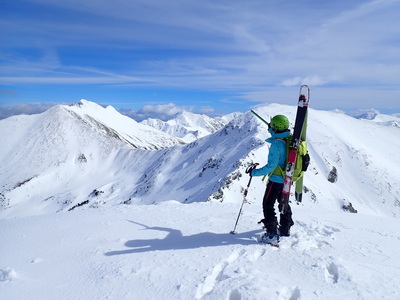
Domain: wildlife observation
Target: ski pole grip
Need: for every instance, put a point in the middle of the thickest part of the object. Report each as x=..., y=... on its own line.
x=251, y=168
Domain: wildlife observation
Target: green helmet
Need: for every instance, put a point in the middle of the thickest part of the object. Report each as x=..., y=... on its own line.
x=279, y=123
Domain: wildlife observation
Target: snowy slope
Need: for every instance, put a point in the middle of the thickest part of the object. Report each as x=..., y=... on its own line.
x=229, y=117
x=188, y=126
x=121, y=127
x=368, y=114
x=75, y=227
x=387, y=120
x=55, y=176
x=129, y=175
x=177, y=251
x=376, y=116
x=358, y=154
x=49, y=159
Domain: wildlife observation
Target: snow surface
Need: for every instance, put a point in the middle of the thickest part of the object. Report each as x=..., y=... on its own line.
x=178, y=251
x=94, y=205
x=188, y=126
x=374, y=115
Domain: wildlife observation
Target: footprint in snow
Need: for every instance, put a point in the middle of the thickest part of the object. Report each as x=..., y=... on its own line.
x=313, y=235
x=331, y=273
x=235, y=295
x=216, y=275
x=290, y=294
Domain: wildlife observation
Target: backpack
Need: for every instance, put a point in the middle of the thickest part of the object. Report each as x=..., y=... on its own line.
x=302, y=160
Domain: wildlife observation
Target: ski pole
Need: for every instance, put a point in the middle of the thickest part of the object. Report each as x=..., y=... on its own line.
x=248, y=171
x=258, y=116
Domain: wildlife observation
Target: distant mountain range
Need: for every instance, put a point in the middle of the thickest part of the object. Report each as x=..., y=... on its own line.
x=188, y=126
x=86, y=155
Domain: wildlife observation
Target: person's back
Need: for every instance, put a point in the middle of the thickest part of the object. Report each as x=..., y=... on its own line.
x=279, y=130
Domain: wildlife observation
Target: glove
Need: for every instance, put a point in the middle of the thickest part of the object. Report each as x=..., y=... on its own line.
x=250, y=168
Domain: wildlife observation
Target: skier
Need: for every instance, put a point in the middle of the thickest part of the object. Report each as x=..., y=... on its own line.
x=279, y=130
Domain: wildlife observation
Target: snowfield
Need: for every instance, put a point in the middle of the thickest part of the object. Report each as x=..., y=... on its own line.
x=94, y=205
x=184, y=251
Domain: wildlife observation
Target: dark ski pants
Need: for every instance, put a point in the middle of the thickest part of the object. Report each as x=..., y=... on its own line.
x=273, y=194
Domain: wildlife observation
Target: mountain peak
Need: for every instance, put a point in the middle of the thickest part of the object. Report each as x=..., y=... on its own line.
x=187, y=125
x=70, y=155
x=368, y=114
x=85, y=105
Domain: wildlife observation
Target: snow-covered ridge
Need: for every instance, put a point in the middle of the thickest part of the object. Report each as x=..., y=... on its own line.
x=92, y=156
x=375, y=116
x=65, y=132
x=79, y=163
x=187, y=126
x=122, y=127
x=385, y=120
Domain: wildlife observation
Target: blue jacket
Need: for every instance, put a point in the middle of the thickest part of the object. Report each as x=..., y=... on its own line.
x=276, y=155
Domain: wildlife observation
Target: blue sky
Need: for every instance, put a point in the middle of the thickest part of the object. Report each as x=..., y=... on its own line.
x=216, y=57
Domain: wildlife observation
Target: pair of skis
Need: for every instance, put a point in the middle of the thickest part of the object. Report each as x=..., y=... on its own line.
x=299, y=134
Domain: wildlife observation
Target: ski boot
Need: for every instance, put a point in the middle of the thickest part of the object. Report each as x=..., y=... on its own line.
x=270, y=239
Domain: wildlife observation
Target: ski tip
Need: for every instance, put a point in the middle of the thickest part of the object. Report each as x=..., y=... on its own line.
x=304, y=93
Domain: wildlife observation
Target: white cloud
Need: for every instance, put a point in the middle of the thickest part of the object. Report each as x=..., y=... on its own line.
x=292, y=81
x=309, y=80
x=242, y=47
x=162, y=111
x=207, y=110
x=26, y=109
x=323, y=97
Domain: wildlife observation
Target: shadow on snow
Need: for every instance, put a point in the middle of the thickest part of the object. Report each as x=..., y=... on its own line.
x=176, y=241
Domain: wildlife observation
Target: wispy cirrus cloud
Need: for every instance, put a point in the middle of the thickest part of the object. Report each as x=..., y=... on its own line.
x=310, y=80
x=243, y=48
